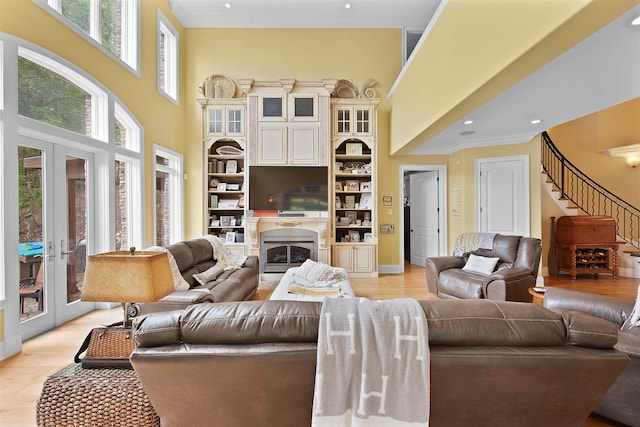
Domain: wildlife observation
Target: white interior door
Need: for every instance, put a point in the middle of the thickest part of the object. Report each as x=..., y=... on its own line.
x=424, y=227
x=503, y=195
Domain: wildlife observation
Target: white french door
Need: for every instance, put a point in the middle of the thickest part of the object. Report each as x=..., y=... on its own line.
x=59, y=223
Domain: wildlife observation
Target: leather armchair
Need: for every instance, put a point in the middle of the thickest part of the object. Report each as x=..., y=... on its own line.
x=622, y=401
x=515, y=272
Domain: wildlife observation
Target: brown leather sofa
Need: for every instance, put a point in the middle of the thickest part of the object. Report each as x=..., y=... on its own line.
x=492, y=364
x=515, y=272
x=622, y=401
x=195, y=256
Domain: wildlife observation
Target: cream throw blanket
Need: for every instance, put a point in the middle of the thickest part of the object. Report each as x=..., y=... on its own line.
x=373, y=364
x=467, y=242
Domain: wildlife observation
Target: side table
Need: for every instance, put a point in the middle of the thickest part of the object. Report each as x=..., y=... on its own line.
x=538, y=296
x=106, y=397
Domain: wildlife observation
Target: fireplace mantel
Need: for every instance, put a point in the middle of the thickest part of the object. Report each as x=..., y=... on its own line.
x=257, y=225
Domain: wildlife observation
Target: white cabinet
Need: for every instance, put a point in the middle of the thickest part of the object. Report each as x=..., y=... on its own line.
x=350, y=120
x=289, y=124
x=304, y=145
x=272, y=144
x=294, y=145
x=224, y=118
x=358, y=260
x=354, y=142
x=224, y=142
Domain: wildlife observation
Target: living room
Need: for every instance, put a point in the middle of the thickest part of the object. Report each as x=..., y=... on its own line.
x=305, y=54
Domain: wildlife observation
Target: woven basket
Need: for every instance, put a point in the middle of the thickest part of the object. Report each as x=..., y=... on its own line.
x=107, y=397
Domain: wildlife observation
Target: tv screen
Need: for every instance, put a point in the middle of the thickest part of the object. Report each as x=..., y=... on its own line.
x=288, y=188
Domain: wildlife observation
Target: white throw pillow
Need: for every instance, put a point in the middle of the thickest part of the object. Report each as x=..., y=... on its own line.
x=209, y=274
x=480, y=264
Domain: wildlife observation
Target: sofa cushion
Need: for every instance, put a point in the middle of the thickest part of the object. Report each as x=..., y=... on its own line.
x=251, y=322
x=480, y=264
x=485, y=322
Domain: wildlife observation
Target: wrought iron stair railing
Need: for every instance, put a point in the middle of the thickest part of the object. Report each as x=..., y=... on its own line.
x=587, y=195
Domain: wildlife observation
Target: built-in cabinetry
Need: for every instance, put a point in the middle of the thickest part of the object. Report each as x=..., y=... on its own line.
x=289, y=123
x=354, y=131
x=224, y=141
x=326, y=124
x=586, y=245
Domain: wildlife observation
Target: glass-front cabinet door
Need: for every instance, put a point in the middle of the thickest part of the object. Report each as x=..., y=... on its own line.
x=225, y=120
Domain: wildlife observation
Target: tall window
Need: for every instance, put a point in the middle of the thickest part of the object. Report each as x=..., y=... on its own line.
x=129, y=209
x=112, y=24
x=168, y=195
x=168, y=58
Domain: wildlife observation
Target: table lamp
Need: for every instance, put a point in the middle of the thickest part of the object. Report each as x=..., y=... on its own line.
x=127, y=277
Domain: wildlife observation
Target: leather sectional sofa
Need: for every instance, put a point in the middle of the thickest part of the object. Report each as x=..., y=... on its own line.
x=515, y=272
x=622, y=401
x=492, y=363
x=196, y=256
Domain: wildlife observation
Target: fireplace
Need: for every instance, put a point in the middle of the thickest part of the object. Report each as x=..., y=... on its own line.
x=282, y=249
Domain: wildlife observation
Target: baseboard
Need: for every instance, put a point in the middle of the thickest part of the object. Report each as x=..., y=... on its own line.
x=390, y=269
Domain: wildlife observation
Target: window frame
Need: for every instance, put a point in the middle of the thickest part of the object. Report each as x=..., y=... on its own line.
x=168, y=77
x=130, y=24
x=175, y=170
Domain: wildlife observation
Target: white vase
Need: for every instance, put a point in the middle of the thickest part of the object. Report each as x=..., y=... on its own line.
x=218, y=90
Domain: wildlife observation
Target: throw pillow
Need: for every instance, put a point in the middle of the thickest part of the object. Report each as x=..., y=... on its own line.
x=480, y=264
x=209, y=274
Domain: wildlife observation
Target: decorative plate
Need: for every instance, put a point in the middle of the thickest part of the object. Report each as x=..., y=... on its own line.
x=228, y=86
x=345, y=89
x=228, y=150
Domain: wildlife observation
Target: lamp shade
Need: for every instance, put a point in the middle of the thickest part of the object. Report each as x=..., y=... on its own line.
x=125, y=277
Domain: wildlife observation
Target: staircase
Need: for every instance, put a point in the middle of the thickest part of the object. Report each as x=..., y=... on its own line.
x=589, y=197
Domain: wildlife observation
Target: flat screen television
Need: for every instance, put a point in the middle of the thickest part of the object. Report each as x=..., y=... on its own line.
x=289, y=188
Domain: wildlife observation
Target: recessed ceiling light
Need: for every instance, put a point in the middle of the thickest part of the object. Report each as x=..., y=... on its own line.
x=636, y=21
x=227, y=5
x=347, y=6
x=536, y=121
x=468, y=122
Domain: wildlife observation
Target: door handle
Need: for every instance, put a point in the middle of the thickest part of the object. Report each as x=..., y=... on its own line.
x=51, y=250
x=62, y=252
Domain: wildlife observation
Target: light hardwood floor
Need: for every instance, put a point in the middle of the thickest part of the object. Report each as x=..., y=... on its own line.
x=22, y=376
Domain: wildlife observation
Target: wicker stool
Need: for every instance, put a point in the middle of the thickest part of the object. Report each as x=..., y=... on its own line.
x=105, y=397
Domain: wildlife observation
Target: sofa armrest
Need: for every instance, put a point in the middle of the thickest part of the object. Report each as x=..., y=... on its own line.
x=442, y=263
x=612, y=309
x=187, y=297
x=509, y=274
x=433, y=267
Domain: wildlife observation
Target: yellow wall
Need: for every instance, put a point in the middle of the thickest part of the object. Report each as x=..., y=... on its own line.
x=462, y=176
x=466, y=60
x=162, y=120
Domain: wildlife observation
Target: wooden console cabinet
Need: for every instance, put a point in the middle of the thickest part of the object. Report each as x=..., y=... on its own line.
x=586, y=245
